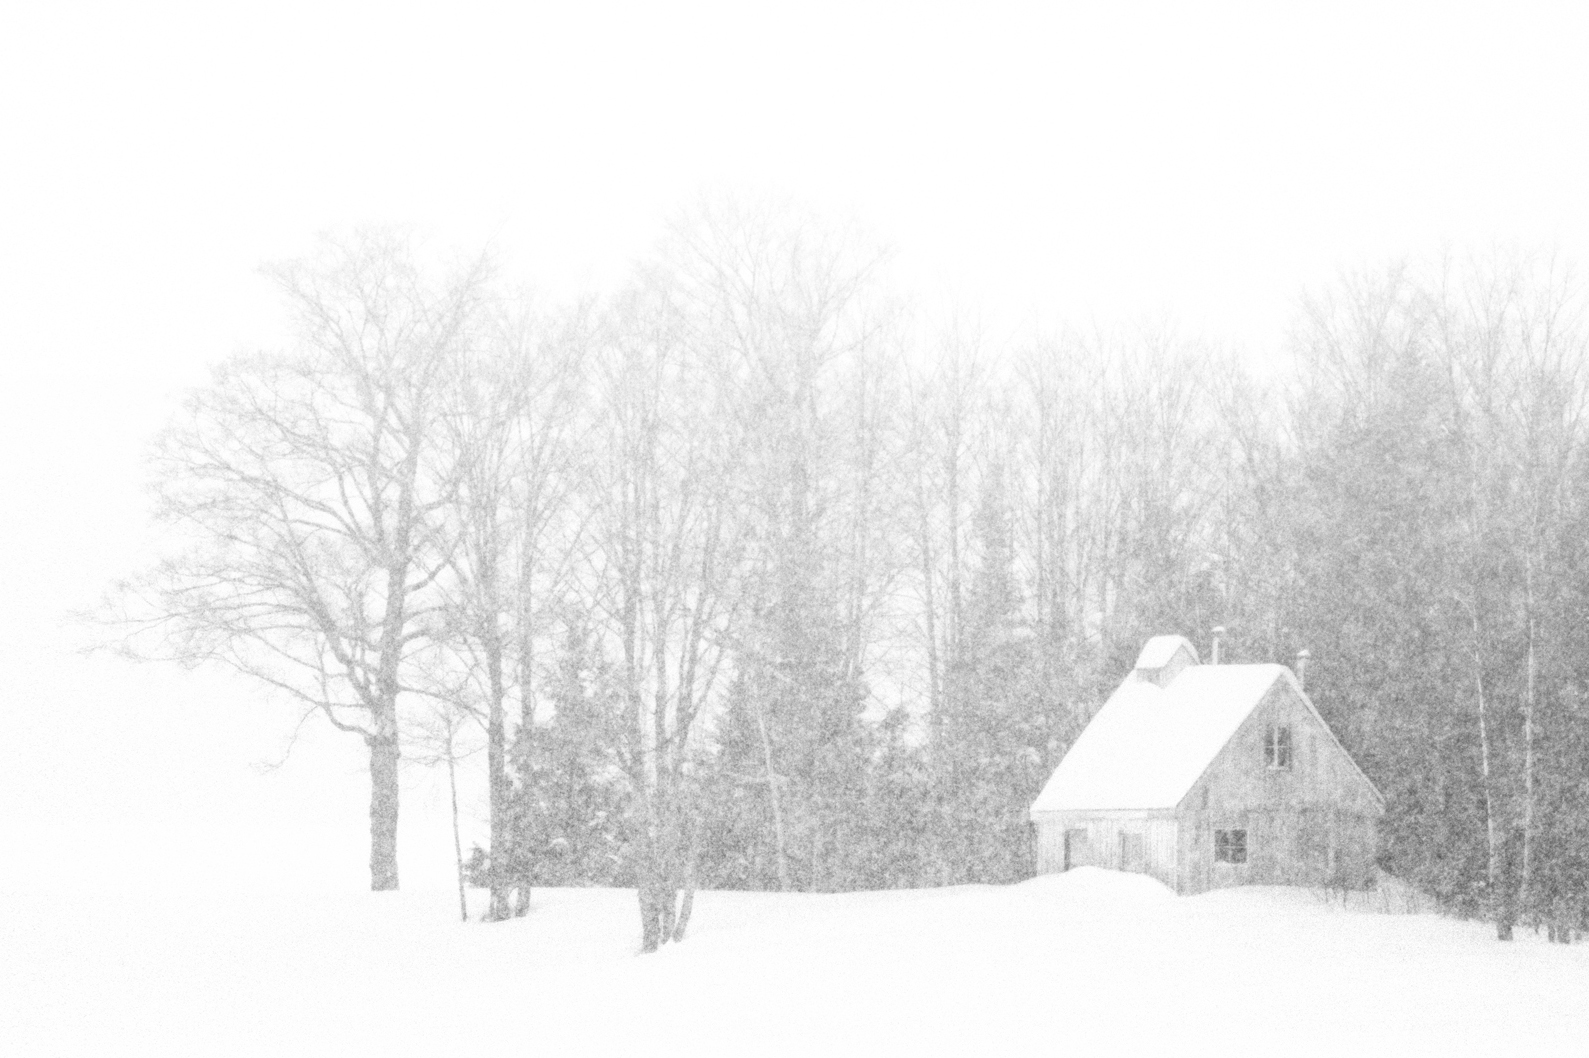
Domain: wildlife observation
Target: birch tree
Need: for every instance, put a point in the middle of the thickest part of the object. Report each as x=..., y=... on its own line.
x=667, y=568
x=1511, y=338
x=513, y=427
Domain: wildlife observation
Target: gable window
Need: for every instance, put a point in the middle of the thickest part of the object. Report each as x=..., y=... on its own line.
x=1230, y=846
x=1277, y=747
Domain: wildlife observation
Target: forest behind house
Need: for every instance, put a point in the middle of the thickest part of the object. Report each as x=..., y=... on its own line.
x=752, y=574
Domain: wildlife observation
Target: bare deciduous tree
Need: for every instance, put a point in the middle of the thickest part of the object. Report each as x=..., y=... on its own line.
x=513, y=430
x=668, y=562
x=306, y=488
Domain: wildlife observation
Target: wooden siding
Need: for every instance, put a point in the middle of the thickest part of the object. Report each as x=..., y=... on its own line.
x=1320, y=774
x=1313, y=823
x=1104, y=846
x=1303, y=846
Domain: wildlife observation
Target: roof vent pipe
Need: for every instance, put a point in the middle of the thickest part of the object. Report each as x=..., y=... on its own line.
x=1302, y=667
x=1219, y=631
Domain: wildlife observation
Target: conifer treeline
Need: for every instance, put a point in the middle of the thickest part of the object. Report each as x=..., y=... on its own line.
x=753, y=580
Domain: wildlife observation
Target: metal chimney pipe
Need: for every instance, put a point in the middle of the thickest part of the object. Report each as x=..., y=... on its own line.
x=1219, y=630
x=1302, y=667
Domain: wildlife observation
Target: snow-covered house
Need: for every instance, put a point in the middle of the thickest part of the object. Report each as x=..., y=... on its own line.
x=1206, y=776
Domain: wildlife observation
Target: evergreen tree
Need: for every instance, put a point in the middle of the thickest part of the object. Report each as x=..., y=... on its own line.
x=998, y=732
x=896, y=827
x=739, y=846
x=1379, y=609
x=570, y=803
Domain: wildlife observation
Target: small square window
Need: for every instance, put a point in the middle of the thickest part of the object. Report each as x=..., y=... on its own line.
x=1230, y=846
x=1277, y=747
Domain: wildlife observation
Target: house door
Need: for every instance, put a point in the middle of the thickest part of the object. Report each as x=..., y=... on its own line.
x=1076, y=848
x=1131, y=852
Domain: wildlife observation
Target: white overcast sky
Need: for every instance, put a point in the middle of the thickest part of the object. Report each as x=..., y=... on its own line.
x=1071, y=163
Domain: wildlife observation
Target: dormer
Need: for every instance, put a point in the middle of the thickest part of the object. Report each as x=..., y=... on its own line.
x=1163, y=658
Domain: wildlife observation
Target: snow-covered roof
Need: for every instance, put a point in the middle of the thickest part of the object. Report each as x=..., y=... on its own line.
x=1158, y=651
x=1149, y=744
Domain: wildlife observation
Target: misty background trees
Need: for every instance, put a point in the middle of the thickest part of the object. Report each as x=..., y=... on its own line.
x=747, y=575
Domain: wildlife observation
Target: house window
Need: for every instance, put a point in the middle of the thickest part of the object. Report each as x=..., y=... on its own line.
x=1230, y=846
x=1277, y=746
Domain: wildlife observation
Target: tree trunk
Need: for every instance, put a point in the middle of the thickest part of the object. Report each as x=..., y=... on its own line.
x=650, y=917
x=1491, y=873
x=383, y=804
x=457, y=839
x=1525, y=887
x=935, y=696
x=1506, y=908
x=779, y=848
x=665, y=855
x=526, y=731
x=497, y=780
x=649, y=889
x=385, y=747
x=666, y=895
x=688, y=903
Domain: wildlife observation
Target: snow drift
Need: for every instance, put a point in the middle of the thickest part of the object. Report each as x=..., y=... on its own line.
x=1090, y=961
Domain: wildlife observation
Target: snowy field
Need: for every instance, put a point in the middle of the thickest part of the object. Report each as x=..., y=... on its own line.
x=1086, y=963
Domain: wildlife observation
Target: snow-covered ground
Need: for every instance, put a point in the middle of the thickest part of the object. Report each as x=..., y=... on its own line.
x=1090, y=962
